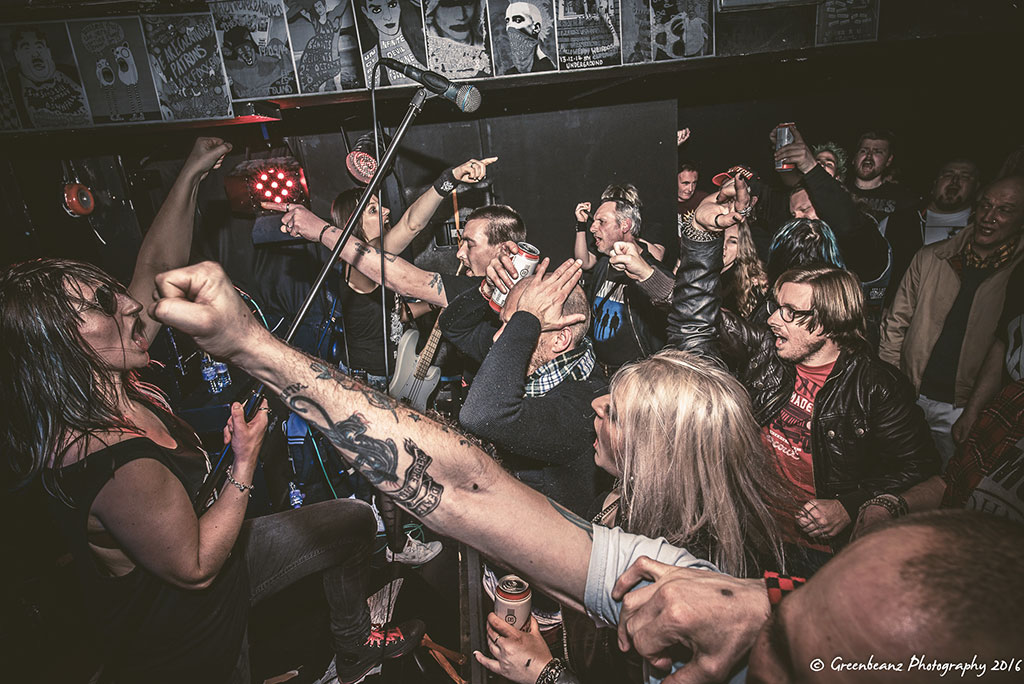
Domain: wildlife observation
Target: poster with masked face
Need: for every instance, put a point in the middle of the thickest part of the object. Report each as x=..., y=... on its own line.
x=391, y=29
x=324, y=45
x=458, y=42
x=253, y=37
x=589, y=33
x=523, y=36
x=115, y=69
x=40, y=67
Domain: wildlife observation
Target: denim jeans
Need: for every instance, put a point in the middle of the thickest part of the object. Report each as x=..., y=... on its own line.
x=334, y=538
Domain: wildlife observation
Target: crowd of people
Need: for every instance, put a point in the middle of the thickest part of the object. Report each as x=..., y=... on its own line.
x=739, y=459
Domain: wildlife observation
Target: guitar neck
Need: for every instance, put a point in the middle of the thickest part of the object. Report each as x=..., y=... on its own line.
x=426, y=356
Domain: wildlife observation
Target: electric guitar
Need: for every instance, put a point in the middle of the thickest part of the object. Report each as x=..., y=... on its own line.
x=415, y=379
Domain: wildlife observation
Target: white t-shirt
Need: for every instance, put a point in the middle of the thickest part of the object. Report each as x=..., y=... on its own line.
x=941, y=226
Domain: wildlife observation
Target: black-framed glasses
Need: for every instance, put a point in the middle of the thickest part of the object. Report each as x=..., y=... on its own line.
x=788, y=313
x=104, y=300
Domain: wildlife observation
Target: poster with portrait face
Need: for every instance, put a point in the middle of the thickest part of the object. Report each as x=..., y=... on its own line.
x=40, y=67
x=458, y=41
x=253, y=38
x=392, y=29
x=115, y=70
x=636, y=31
x=187, y=67
x=324, y=45
x=682, y=29
x=588, y=34
x=523, y=36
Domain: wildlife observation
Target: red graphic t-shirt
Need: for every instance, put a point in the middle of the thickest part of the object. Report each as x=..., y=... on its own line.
x=789, y=436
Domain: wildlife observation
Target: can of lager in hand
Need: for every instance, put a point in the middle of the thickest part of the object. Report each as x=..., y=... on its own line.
x=512, y=601
x=783, y=137
x=525, y=258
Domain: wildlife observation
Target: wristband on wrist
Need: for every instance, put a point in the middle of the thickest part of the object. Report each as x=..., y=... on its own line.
x=581, y=226
x=445, y=183
x=779, y=586
x=896, y=505
x=322, y=231
x=241, y=487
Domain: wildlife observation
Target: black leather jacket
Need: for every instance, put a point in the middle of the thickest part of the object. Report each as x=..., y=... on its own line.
x=868, y=436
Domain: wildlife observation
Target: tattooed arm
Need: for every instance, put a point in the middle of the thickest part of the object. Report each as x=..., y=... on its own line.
x=430, y=470
x=401, y=276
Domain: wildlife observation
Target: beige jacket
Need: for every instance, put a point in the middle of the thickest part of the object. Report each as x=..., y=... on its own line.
x=912, y=326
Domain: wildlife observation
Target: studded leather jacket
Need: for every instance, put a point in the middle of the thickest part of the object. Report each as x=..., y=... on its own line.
x=868, y=436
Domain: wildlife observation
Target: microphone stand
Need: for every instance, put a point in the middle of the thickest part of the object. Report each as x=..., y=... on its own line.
x=216, y=475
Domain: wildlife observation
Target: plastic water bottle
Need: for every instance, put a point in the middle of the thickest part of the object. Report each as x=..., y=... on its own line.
x=223, y=376
x=209, y=372
x=295, y=495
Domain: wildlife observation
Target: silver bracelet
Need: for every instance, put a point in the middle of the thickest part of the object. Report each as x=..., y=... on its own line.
x=241, y=487
x=551, y=671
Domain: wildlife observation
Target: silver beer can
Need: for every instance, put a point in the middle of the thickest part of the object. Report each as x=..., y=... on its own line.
x=783, y=137
x=513, y=601
x=525, y=259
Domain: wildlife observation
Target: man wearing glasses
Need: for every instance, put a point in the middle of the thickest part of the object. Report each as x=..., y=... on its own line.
x=842, y=426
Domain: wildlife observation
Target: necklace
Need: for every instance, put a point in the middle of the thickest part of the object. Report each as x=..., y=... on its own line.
x=605, y=511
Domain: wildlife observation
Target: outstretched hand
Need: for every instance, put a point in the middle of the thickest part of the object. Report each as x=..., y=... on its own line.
x=473, y=171
x=200, y=301
x=545, y=297
x=715, y=616
x=298, y=221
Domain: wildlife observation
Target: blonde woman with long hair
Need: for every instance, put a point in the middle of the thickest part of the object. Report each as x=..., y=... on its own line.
x=678, y=433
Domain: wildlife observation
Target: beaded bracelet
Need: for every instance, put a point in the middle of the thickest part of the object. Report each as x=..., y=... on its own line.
x=896, y=505
x=241, y=487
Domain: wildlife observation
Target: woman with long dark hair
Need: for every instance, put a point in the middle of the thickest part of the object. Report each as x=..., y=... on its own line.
x=168, y=588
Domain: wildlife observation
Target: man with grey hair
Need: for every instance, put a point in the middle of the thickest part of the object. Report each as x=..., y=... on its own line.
x=538, y=374
x=626, y=326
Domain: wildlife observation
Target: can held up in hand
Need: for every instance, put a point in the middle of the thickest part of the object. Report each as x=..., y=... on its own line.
x=525, y=259
x=783, y=137
x=513, y=601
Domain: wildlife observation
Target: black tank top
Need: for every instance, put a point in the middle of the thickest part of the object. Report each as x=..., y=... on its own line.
x=364, y=329
x=150, y=630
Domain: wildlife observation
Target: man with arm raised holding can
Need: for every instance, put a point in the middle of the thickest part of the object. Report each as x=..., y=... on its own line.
x=538, y=375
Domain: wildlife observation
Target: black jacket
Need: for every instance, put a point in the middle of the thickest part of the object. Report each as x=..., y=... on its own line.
x=646, y=322
x=868, y=435
x=547, y=441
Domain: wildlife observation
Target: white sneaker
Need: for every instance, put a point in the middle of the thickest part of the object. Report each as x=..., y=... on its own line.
x=415, y=552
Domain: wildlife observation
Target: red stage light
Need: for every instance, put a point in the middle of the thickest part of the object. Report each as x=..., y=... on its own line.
x=265, y=180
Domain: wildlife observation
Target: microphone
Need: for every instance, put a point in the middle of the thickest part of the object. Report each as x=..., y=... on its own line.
x=466, y=97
